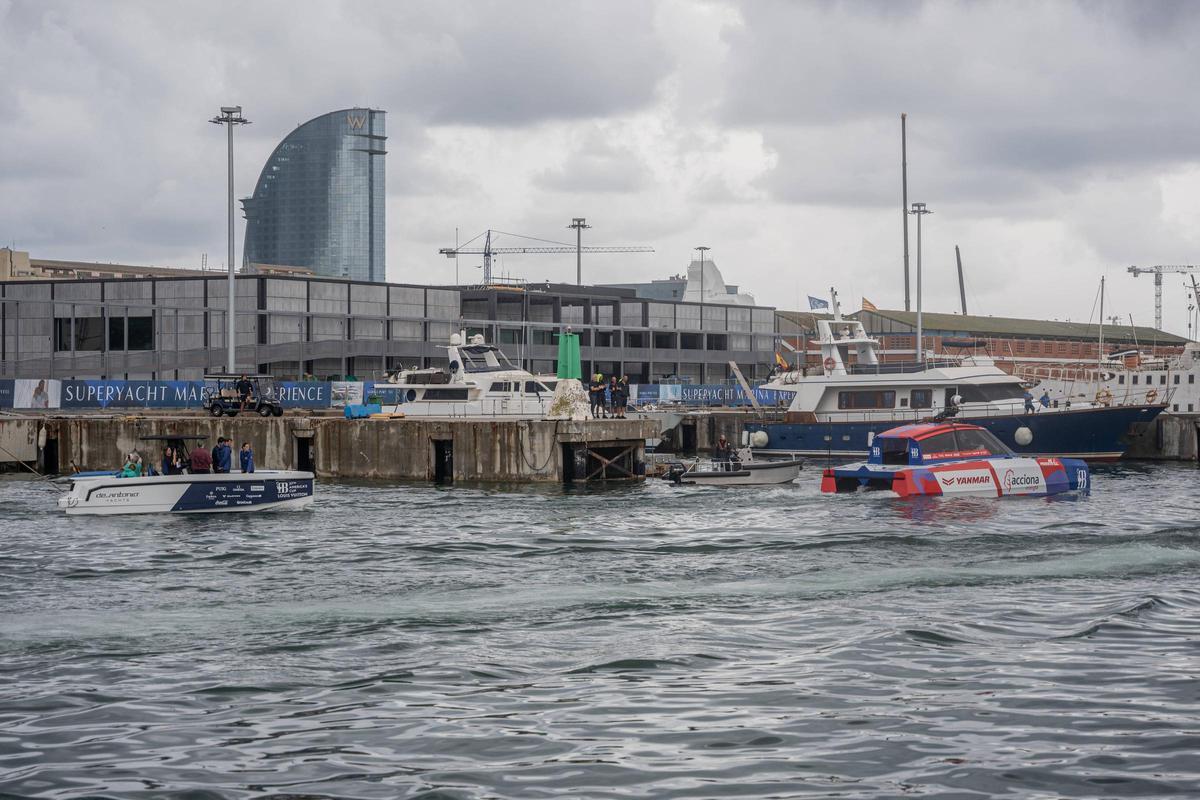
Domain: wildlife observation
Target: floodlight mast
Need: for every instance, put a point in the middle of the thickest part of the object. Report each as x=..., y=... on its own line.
x=230, y=116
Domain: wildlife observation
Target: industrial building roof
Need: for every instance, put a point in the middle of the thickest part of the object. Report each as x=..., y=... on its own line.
x=1011, y=326
x=969, y=325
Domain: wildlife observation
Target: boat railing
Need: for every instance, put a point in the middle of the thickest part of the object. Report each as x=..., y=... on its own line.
x=902, y=367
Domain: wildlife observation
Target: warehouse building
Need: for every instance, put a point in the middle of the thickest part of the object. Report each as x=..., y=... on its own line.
x=173, y=328
x=1014, y=343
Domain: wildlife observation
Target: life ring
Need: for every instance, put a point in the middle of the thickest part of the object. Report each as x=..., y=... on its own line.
x=830, y=363
x=1151, y=395
x=1104, y=397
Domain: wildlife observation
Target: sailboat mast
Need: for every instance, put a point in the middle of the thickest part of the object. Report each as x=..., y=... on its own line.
x=1100, y=347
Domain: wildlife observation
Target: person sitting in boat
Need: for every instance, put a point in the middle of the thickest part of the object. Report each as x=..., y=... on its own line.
x=1045, y=398
x=723, y=451
x=171, y=462
x=1029, y=409
x=246, y=455
x=132, y=467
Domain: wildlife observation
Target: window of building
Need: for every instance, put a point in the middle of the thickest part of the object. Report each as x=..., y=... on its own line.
x=664, y=341
x=922, y=398
x=871, y=399
x=1176, y=381
x=1135, y=377
x=1162, y=379
x=1191, y=378
x=87, y=334
x=141, y=333
x=1120, y=379
x=546, y=337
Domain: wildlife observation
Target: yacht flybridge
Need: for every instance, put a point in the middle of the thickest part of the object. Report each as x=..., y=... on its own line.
x=479, y=381
x=840, y=406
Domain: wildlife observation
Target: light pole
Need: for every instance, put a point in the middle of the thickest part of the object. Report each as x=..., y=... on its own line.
x=230, y=116
x=578, y=223
x=919, y=210
x=702, y=250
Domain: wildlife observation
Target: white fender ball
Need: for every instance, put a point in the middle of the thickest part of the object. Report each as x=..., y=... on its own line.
x=1023, y=436
x=758, y=439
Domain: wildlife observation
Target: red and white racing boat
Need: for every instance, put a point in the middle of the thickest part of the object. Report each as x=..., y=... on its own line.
x=954, y=459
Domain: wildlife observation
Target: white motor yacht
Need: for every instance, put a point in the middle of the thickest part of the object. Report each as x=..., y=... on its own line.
x=480, y=381
x=838, y=407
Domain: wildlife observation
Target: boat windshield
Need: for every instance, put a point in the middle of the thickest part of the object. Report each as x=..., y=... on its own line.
x=484, y=358
x=963, y=443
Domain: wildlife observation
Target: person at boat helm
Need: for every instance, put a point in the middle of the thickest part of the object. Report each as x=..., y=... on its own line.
x=723, y=451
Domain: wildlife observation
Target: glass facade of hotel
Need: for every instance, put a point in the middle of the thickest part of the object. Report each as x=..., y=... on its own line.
x=319, y=201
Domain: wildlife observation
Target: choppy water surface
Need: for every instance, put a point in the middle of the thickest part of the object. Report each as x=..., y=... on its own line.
x=648, y=641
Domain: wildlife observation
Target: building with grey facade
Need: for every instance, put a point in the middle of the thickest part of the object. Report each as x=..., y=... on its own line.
x=173, y=328
x=320, y=199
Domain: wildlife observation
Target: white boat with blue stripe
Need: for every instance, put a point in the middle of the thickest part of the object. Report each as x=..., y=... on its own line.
x=264, y=490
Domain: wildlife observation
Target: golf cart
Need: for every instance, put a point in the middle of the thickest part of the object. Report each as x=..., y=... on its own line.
x=222, y=396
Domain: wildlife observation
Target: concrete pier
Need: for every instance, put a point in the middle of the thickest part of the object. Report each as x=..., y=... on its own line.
x=409, y=449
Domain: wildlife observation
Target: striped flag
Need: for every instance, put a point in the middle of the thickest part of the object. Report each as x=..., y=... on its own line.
x=868, y=305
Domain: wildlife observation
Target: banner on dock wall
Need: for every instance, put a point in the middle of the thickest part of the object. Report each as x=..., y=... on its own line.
x=6, y=392
x=303, y=394
x=36, y=393
x=131, y=394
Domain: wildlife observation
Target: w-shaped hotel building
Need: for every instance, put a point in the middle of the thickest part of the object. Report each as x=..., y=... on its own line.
x=319, y=200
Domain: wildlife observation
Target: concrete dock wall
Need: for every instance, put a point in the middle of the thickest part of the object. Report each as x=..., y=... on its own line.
x=411, y=449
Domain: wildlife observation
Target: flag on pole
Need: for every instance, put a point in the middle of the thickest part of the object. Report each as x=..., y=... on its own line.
x=815, y=302
x=781, y=362
x=868, y=305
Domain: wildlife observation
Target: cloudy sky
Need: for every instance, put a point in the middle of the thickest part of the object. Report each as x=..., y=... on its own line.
x=1055, y=141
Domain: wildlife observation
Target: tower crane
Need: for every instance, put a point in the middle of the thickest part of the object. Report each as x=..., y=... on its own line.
x=546, y=246
x=1158, y=271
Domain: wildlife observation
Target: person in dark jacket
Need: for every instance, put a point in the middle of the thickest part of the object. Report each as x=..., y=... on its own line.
x=224, y=459
x=246, y=455
x=244, y=389
x=596, y=395
x=623, y=384
x=200, y=462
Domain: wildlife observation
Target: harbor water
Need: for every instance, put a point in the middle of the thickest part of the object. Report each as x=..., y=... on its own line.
x=646, y=640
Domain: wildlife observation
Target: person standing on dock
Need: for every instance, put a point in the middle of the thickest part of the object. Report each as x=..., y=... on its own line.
x=246, y=455
x=596, y=395
x=621, y=400
x=612, y=396
x=244, y=389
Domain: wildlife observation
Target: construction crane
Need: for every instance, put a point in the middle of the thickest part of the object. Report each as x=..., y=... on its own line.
x=547, y=246
x=1158, y=271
